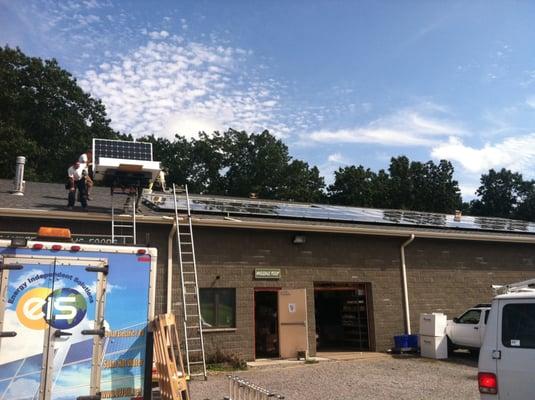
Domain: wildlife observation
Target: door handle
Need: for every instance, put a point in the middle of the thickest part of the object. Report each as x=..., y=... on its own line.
x=8, y=334
x=103, y=269
x=10, y=267
x=100, y=332
x=476, y=328
x=62, y=333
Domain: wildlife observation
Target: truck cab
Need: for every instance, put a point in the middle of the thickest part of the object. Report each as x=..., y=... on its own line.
x=468, y=330
x=507, y=356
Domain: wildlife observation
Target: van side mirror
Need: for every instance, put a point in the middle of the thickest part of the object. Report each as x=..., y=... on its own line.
x=456, y=319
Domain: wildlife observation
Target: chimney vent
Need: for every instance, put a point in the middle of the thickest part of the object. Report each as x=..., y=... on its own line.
x=18, y=182
x=457, y=216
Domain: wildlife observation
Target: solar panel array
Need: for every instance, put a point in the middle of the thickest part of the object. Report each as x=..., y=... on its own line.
x=322, y=212
x=122, y=150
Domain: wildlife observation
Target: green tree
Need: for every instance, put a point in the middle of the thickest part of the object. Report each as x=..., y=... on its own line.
x=526, y=208
x=45, y=116
x=408, y=185
x=400, y=190
x=500, y=194
x=237, y=164
x=353, y=186
x=302, y=183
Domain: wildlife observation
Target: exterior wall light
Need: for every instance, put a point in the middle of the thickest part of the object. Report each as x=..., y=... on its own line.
x=299, y=239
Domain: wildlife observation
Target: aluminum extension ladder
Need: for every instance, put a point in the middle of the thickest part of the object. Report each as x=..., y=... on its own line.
x=193, y=334
x=123, y=224
x=523, y=286
x=241, y=389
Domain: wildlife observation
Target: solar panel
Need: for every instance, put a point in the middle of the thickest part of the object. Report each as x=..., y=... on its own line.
x=323, y=212
x=120, y=149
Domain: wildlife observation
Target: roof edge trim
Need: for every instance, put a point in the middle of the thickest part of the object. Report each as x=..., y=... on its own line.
x=226, y=223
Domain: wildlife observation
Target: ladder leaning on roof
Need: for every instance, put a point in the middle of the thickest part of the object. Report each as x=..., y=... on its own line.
x=123, y=225
x=193, y=334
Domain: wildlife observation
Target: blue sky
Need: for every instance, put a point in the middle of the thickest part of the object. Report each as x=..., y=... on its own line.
x=342, y=82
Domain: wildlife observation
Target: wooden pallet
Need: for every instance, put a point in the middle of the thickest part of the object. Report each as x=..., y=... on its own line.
x=168, y=358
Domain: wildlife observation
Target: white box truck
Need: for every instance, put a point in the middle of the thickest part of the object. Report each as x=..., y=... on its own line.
x=74, y=319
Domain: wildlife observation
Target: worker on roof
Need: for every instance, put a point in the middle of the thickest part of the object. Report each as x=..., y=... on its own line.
x=86, y=163
x=159, y=182
x=77, y=181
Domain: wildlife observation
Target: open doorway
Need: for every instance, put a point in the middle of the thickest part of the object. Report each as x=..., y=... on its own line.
x=342, y=321
x=266, y=323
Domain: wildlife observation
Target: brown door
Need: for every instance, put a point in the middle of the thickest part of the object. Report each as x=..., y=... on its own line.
x=293, y=327
x=266, y=323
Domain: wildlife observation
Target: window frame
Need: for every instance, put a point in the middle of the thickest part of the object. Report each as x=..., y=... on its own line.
x=216, y=306
x=469, y=323
x=507, y=343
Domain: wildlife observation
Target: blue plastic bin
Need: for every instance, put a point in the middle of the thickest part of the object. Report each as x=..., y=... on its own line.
x=405, y=342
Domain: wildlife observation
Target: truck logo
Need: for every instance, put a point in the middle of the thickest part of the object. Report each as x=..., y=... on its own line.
x=62, y=308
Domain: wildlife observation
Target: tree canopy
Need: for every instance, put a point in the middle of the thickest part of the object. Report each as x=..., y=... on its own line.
x=45, y=116
x=235, y=163
x=504, y=194
x=407, y=185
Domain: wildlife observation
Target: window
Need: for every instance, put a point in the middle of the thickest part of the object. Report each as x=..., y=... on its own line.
x=518, y=325
x=218, y=308
x=470, y=317
x=486, y=316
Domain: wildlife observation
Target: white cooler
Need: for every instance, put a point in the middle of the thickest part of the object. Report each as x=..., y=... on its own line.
x=433, y=340
x=434, y=347
x=433, y=324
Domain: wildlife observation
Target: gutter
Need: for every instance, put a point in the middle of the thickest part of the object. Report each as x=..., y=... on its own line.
x=170, y=267
x=386, y=230
x=404, y=290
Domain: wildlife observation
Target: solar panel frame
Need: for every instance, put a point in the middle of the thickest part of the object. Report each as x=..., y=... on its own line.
x=333, y=213
x=121, y=149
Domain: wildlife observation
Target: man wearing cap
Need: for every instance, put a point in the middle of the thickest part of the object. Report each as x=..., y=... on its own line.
x=86, y=165
x=77, y=181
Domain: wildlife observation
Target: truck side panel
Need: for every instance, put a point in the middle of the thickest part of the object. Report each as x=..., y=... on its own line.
x=56, y=302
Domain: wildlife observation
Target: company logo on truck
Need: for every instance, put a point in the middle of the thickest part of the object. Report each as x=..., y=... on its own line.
x=62, y=308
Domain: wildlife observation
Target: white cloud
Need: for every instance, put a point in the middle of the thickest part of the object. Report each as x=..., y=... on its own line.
x=28, y=341
x=337, y=158
x=24, y=277
x=110, y=287
x=333, y=162
x=171, y=86
x=515, y=153
x=530, y=101
x=158, y=35
x=405, y=128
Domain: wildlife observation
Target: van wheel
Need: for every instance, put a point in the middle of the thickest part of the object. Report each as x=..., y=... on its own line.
x=451, y=347
x=474, y=352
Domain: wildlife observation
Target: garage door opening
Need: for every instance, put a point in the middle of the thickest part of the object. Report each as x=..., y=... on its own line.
x=266, y=324
x=342, y=321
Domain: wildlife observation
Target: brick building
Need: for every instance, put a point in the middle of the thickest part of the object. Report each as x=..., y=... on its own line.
x=350, y=267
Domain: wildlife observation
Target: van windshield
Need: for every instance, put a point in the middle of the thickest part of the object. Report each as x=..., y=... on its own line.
x=518, y=325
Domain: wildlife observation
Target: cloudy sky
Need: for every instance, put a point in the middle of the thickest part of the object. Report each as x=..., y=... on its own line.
x=342, y=82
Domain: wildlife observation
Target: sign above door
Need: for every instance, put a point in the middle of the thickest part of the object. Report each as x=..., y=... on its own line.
x=267, y=273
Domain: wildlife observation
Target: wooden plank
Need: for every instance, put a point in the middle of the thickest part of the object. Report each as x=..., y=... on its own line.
x=168, y=356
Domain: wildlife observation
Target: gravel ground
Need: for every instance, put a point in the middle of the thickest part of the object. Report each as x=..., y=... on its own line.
x=385, y=378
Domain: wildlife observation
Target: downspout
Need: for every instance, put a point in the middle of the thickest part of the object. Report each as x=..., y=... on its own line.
x=406, y=312
x=170, y=267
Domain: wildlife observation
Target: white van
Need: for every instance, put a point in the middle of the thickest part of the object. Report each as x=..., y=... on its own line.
x=507, y=356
